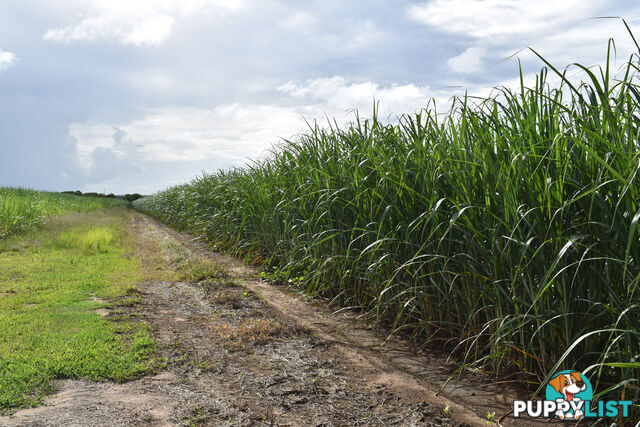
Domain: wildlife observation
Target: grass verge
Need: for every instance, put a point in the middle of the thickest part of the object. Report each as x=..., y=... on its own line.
x=52, y=281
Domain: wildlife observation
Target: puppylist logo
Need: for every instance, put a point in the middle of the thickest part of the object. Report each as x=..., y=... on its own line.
x=568, y=396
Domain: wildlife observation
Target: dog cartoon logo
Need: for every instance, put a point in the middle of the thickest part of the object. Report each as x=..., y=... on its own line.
x=570, y=386
x=569, y=395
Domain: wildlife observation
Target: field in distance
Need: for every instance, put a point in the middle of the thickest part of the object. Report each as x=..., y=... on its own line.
x=21, y=209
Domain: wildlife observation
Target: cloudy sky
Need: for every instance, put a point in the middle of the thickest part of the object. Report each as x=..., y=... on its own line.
x=137, y=95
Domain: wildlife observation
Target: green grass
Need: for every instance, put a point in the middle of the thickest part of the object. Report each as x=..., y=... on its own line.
x=93, y=240
x=505, y=231
x=52, y=281
x=21, y=209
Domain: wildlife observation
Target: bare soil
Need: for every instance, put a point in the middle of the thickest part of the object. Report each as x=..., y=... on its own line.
x=239, y=351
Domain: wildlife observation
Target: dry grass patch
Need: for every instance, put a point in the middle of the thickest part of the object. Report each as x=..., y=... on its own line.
x=200, y=270
x=249, y=333
x=225, y=297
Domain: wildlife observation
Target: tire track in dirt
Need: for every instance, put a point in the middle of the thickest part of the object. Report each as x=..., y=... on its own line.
x=380, y=363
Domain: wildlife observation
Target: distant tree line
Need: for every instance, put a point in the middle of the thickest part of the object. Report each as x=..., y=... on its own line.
x=129, y=197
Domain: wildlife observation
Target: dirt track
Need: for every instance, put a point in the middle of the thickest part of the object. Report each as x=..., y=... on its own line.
x=242, y=352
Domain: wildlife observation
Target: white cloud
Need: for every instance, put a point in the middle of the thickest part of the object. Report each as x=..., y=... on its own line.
x=233, y=132
x=336, y=95
x=469, y=61
x=7, y=59
x=153, y=30
x=138, y=22
x=491, y=18
x=560, y=31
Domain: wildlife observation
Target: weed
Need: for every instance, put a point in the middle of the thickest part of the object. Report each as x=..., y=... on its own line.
x=200, y=270
x=91, y=241
x=197, y=417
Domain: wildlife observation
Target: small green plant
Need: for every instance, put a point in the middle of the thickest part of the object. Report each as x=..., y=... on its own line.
x=131, y=290
x=282, y=276
x=198, y=417
x=445, y=410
